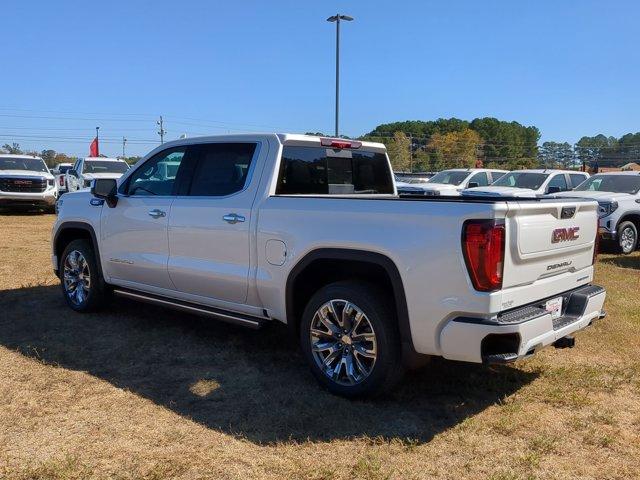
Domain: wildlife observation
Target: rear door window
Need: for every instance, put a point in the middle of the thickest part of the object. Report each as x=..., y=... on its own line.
x=576, y=179
x=480, y=178
x=326, y=171
x=558, y=181
x=496, y=175
x=221, y=168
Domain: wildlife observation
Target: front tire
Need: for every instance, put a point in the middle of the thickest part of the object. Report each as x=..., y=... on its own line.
x=627, y=237
x=82, y=284
x=350, y=339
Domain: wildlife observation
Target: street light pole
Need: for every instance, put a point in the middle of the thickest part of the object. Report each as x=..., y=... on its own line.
x=336, y=18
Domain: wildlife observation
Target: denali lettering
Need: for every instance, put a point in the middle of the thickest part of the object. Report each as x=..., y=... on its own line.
x=559, y=265
x=565, y=234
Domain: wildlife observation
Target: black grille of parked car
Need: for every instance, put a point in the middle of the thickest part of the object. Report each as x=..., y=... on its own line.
x=23, y=185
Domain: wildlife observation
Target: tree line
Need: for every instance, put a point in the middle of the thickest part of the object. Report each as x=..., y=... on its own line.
x=450, y=142
x=433, y=145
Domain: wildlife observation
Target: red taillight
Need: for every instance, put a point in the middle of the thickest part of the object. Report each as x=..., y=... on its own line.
x=337, y=143
x=61, y=181
x=483, y=248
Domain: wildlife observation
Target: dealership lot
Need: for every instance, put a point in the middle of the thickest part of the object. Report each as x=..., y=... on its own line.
x=140, y=392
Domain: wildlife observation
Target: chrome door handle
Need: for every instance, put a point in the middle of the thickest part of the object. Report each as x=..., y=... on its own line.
x=155, y=213
x=233, y=218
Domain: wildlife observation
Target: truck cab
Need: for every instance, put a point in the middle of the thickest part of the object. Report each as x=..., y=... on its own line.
x=531, y=183
x=454, y=181
x=85, y=170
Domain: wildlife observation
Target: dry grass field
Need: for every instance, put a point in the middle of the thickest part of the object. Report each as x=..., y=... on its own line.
x=140, y=392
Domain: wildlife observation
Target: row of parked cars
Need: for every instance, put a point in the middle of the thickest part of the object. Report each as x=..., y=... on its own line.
x=26, y=181
x=617, y=193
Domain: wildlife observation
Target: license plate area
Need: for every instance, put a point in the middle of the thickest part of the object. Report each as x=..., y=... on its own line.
x=554, y=307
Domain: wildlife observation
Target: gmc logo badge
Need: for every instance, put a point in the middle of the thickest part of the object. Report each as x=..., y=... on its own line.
x=565, y=234
x=22, y=182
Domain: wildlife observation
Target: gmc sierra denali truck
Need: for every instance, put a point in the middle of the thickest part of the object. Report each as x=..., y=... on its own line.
x=310, y=231
x=25, y=181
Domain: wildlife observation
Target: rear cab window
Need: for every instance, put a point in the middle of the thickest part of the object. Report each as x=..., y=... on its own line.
x=576, y=179
x=317, y=170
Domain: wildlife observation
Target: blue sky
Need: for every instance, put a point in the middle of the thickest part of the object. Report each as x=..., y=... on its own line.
x=569, y=67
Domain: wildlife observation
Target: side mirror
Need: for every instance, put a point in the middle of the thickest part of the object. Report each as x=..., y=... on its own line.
x=106, y=189
x=554, y=189
x=473, y=185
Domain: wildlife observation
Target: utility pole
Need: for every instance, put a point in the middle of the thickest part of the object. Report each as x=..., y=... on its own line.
x=336, y=18
x=124, y=142
x=162, y=131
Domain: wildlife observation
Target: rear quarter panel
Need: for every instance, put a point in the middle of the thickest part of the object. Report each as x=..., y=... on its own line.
x=422, y=238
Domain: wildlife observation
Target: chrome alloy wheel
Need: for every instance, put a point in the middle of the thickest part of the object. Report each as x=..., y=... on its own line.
x=627, y=239
x=343, y=342
x=76, y=277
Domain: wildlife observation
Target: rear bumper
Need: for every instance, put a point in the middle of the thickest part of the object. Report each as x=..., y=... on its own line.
x=520, y=332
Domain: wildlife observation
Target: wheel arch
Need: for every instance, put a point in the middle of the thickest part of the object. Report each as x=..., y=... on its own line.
x=632, y=216
x=70, y=231
x=379, y=266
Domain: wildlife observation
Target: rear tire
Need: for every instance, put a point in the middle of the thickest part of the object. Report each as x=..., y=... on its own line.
x=350, y=339
x=82, y=284
x=627, y=237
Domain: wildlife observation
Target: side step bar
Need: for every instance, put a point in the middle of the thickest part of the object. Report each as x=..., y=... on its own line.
x=196, y=309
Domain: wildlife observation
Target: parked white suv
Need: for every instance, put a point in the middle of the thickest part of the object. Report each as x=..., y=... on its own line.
x=310, y=232
x=452, y=182
x=85, y=170
x=25, y=180
x=618, y=196
x=531, y=183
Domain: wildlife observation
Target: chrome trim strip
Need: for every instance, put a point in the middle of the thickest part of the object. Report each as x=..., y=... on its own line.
x=225, y=317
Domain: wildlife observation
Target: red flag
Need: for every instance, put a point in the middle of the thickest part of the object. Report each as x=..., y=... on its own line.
x=93, y=148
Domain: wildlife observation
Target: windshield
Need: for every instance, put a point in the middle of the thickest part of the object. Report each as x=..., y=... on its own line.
x=449, y=177
x=29, y=164
x=64, y=168
x=104, y=166
x=530, y=180
x=611, y=183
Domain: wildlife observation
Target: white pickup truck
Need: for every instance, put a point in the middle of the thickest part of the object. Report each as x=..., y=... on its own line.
x=310, y=231
x=531, y=183
x=86, y=170
x=453, y=182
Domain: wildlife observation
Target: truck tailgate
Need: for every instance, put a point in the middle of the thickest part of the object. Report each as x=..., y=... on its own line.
x=548, y=239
